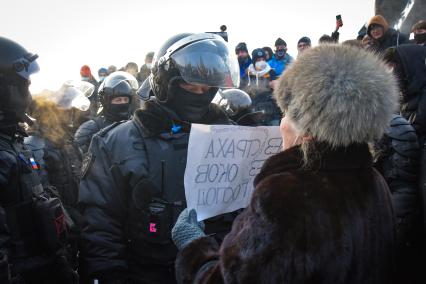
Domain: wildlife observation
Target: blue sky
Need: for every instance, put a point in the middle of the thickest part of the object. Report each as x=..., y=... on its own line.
x=69, y=34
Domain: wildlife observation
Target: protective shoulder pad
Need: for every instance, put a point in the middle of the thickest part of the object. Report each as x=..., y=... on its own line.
x=86, y=129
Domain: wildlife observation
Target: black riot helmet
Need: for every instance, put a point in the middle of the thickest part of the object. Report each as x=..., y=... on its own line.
x=117, y=84
x=199, y=59
x=16, y=66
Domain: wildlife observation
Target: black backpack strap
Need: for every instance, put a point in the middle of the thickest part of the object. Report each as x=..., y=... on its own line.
x=105, y=130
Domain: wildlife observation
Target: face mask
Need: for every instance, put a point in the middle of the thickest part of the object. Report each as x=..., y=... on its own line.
x=149, y=65
x=117, y=112
x=189, y=106
x=18, y=101
x=84, y=78
x=260, y=65
x=420, y=38
x=280, y=53
x=101, y=78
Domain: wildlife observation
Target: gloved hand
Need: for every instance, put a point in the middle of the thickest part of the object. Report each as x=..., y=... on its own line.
x=187, y=228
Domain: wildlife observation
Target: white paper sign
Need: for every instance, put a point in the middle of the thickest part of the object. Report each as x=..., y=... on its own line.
x=222, y=163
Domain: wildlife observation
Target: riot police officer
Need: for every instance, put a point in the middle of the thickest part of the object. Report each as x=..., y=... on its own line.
x=132, y=190
x=32, y=218
x=115, y=94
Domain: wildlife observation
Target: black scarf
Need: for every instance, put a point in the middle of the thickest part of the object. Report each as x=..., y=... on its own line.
x=158, y=118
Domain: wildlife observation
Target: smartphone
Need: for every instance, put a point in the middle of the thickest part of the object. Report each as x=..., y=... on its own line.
x=339, y=20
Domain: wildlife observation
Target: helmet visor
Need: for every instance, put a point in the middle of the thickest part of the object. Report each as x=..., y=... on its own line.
x=145, y=89
x=26, y=65
x=116, y=78
x=207, y=62
x=74, y=94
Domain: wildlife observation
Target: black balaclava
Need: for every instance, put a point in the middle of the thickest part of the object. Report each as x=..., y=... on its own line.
x=420, y=38
x=189, y=106
x=16, y=100
x=118, y=112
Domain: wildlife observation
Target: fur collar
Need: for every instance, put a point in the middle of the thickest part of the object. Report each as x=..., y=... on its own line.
x=355, y=156
x=157, y=118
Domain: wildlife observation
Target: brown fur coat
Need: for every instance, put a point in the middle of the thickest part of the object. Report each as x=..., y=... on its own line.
x=329, y=223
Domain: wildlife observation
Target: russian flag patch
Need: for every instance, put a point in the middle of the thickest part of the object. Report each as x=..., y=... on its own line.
x=33, y=163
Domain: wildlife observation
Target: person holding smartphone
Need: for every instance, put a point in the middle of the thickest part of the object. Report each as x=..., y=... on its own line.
x=334, y=38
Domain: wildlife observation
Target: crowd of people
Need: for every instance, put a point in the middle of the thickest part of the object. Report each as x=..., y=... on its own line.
x=92, y=175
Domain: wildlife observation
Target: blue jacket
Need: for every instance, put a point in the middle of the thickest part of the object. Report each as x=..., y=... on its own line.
x=243, y=73
x=279, y=65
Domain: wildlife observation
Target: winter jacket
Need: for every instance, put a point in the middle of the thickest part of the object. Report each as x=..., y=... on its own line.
x=261, y=95
x=243, y=72
x=129, y=216
x=60, y=164
x=258, y=81
x=60, y=167
x=279, y=65
x=391, y=38
x=412, y=76
x=85, y=132
x=331, y=222
x=397, y=157
x=23, y=237
x=335, y=36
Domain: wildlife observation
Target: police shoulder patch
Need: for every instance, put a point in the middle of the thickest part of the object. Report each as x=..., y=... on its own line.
x=86, y=163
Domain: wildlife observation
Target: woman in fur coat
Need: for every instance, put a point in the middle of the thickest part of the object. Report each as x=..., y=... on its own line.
x=320, y=213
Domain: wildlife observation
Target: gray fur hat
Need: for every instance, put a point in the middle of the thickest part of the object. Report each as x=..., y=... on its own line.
x=338, y=94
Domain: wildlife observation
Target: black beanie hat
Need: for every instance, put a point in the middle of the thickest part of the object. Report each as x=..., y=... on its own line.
x=257, y=53
x=304, y=39
x=241, y=46
x=280, y=41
